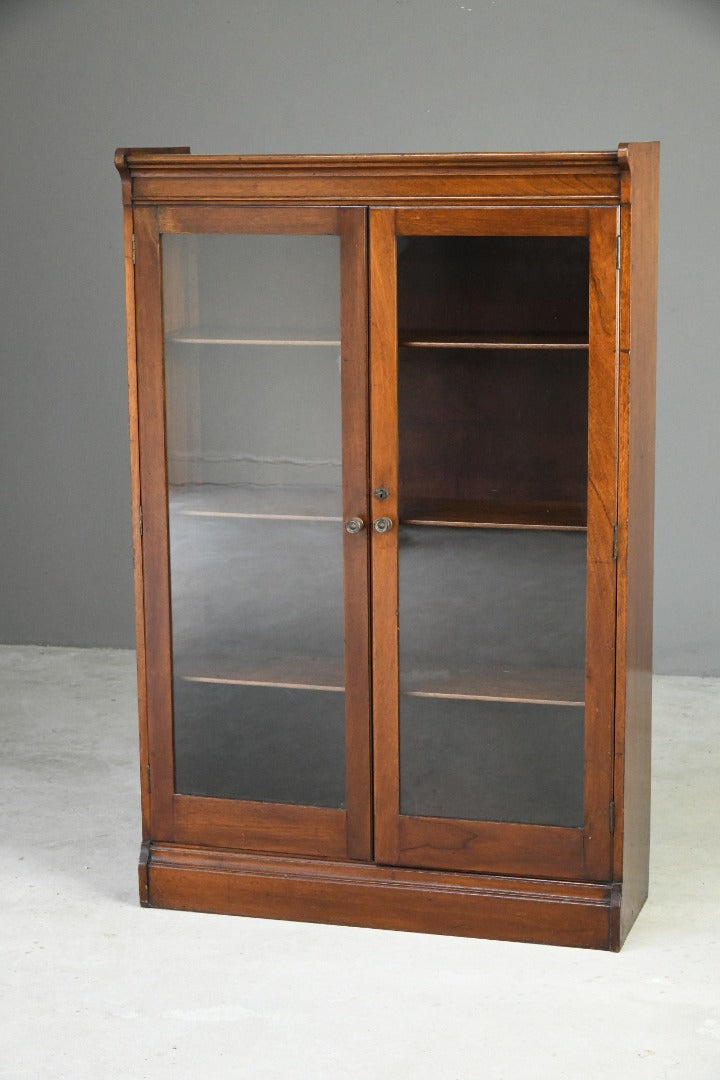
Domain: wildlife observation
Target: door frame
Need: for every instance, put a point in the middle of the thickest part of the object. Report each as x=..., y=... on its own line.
x=492, y=847
x=244, y=824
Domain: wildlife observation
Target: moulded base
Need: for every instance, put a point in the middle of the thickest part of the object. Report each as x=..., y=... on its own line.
x=581, y=914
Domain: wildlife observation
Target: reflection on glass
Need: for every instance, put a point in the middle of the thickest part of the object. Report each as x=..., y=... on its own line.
x=498, y=761
x=254, y=466
x=491, y=673
x=493, y=384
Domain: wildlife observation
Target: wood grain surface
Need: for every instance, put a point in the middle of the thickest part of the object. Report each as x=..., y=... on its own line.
x=367, y=864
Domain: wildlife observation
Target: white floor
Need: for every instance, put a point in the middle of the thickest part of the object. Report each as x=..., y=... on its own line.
x=93, y=986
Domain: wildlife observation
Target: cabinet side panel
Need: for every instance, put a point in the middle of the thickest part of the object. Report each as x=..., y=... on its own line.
x=636, y=504
x=601, y=576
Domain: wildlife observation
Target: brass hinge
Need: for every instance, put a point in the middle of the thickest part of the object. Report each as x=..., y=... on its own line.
x=132, y=248
x=618, y=256
x=612, y=817
x=140, y=519
x=615, y=541
x=147, y=773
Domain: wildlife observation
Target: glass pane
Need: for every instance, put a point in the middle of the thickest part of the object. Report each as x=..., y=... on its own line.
x=492, y=761
x=493, y=384
x=255, y=503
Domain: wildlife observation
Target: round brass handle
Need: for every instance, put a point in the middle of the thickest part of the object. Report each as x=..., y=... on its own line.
x=382, y=525
x=354, y=525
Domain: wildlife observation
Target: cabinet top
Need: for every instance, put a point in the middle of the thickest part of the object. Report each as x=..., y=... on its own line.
x=173, y=174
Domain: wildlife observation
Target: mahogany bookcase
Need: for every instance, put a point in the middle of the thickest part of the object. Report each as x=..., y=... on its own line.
x=392, y=427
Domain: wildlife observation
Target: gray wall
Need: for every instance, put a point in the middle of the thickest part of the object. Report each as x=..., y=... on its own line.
x=79, y=77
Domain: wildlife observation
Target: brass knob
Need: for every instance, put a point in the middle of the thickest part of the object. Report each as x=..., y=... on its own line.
x=382, y=525
x=354, y=525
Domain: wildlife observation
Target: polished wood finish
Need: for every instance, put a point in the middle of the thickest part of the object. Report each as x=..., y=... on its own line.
x=492, y=222
x=430, y=464
x=356, y=553
x=384, y=474
x=153, y=500
x=357, y=894
x=263, y=826
x=382, y=179
x=135, y=503
x=573, y=886
x=225, y=219
x=601, y=566
x=301, y=830
x=636, y=472
x=453, y=844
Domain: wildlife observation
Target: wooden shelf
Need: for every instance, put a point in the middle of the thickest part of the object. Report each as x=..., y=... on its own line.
x=257, y=502
x=531, y=687
x=420, y=340
x=489, y=514
x=314, y=503
x=536, y=687
x=209, y=336
x=289, y=673
x=440, y=339
x=487, y=644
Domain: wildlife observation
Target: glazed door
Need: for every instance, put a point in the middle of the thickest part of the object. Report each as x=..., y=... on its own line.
x=493, y=405
x=252, y=371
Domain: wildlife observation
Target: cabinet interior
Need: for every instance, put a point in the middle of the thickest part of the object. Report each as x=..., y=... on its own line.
x=492, y=429
x=493, y=380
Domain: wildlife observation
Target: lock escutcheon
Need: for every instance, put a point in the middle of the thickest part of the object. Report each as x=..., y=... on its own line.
x=382, y=525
